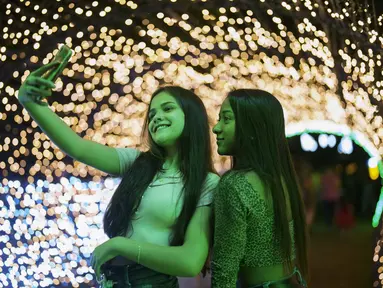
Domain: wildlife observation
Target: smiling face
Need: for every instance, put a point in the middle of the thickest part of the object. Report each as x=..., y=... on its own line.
x=225, y=129
x=166, y=120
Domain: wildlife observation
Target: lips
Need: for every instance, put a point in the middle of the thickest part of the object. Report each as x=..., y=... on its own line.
x=160, y=127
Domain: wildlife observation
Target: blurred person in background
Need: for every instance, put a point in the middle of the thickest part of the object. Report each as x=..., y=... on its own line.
x=344, y=215
x=331, y=192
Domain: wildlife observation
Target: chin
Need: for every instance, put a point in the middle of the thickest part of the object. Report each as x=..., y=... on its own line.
x=164, y=143
x=161, y=141
x=225, y=152
x=221, y=152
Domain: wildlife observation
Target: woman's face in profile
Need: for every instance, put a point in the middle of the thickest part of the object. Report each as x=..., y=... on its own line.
x=225, y=129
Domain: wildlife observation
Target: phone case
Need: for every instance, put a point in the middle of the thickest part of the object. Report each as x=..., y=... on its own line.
x=63, y=56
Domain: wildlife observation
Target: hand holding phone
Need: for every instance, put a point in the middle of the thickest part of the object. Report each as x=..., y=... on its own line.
x=62, y=57
x=39, y=83
x=36, y=87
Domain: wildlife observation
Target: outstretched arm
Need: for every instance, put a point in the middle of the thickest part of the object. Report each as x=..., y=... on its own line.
x=91, y=153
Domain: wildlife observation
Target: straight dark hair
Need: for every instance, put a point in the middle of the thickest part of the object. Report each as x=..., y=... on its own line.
x=194, y=151
x=261, y=146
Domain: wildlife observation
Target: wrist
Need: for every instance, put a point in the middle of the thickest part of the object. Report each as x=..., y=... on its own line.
x=126, y=248
x=26, y=100
x=23, y=99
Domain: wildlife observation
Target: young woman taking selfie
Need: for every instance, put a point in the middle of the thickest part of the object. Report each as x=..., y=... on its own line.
x=158, y=218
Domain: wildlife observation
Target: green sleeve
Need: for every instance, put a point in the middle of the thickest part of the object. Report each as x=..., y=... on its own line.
x=210, y=185
x=229, y=233
x=126, y=157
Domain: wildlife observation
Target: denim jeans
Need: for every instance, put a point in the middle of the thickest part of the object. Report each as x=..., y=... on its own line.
x=136, y=276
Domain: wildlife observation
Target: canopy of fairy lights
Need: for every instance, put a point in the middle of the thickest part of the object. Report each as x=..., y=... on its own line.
x=322, y=62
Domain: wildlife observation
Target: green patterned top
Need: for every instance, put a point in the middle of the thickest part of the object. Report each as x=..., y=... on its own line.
x=244, y=233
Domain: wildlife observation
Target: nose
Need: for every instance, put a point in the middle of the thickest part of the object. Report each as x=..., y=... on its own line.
x=157, y=118
x=217, y=129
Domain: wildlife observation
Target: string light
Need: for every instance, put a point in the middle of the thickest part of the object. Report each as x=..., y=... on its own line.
x=124, y=51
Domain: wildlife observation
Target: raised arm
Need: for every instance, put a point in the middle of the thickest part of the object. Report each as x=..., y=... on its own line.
x=88, y=152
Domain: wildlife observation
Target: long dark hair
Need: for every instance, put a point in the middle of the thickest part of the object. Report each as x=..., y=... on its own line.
x=261, y=145
x=194, y=154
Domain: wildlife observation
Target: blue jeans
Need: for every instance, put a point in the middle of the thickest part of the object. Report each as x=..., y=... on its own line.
x=287, y=282
x=136, y=276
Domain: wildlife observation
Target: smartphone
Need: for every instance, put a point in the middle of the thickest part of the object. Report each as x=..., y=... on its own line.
x=63, y=56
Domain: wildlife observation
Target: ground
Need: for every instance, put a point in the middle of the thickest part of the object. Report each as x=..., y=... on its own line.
x=342, y=259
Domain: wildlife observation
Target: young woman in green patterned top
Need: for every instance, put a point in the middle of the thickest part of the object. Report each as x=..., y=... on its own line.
x=260, y=233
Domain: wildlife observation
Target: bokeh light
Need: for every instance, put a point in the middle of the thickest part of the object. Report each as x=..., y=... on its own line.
x=52, y=206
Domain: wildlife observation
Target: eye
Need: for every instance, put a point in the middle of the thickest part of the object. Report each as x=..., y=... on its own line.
x=226, y=118
x=168, y=108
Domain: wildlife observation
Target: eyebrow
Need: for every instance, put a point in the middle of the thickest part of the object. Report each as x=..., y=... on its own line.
x=226, y=111
x=162, y=105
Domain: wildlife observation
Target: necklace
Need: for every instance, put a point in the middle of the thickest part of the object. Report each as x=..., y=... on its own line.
x=160, y=177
